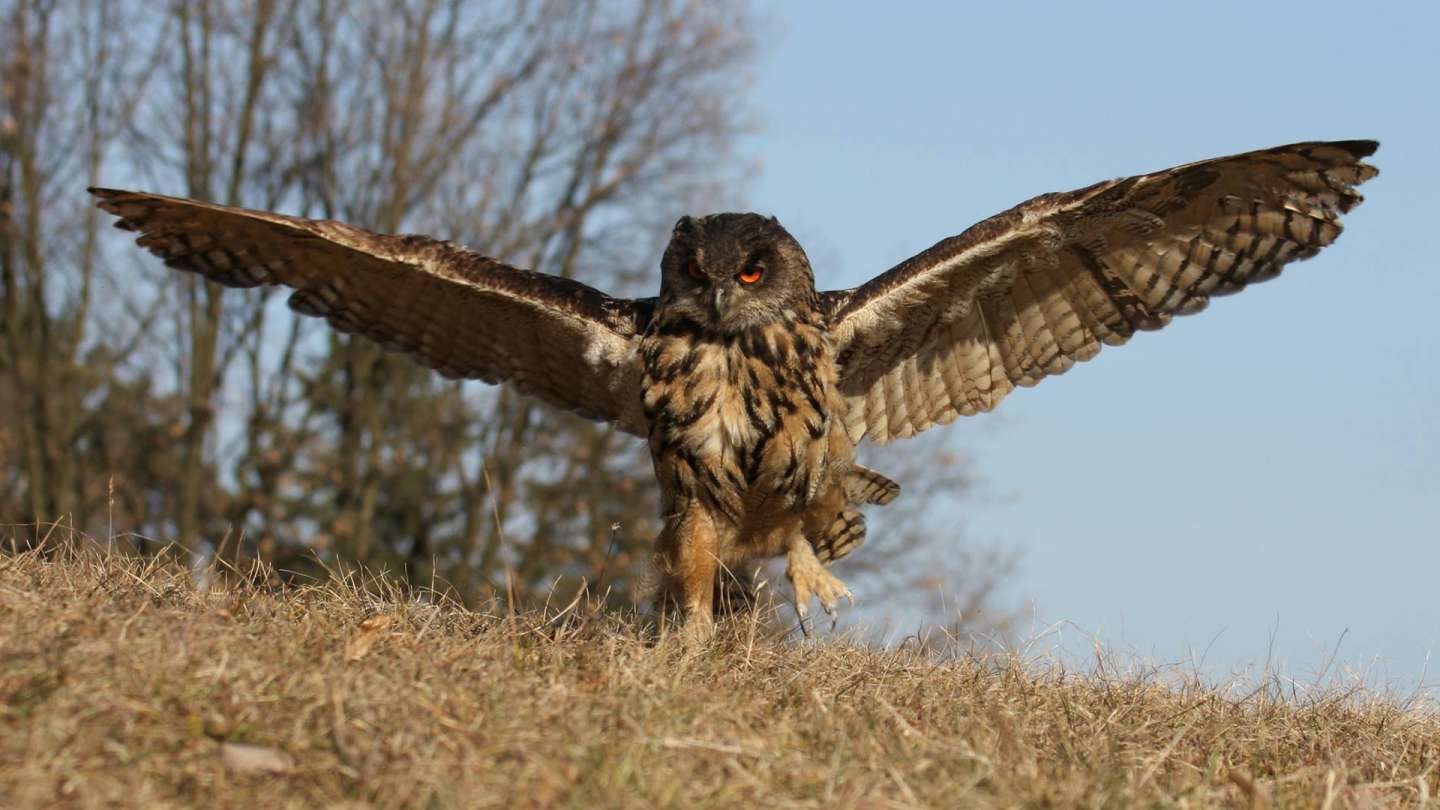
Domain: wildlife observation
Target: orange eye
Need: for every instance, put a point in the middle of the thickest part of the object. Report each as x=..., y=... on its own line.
x=751, y=274
x=693, y=270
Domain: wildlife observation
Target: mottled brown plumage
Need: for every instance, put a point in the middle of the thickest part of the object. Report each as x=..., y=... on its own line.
x=740, y=393
x=751, y=387
x=1027, y=293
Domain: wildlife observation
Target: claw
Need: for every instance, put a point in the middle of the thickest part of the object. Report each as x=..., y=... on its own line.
x=809, y=578
x=832, y=606
x=803, y=611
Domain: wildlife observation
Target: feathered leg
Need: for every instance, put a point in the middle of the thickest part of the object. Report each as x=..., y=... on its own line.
x=806, y=573
x=687, y=556
x=809, y=578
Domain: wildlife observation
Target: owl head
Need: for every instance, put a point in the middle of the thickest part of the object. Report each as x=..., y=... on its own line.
x=734, y=272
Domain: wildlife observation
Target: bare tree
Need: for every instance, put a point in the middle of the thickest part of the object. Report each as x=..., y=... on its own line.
x=70, y=82
x=566, y=137
x=209, y=129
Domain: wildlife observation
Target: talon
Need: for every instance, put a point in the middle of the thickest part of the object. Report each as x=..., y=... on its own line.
x=809, y=578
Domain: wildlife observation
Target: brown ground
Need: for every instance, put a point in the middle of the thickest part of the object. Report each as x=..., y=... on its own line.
x=126, y=684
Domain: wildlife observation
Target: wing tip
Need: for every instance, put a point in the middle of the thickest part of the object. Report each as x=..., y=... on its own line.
x=1358, y=148
x=104, y=195
x=1355, y=152
x=126, y=206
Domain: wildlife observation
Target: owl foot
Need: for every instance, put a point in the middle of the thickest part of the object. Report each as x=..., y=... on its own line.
x=809, y=578
x=698, y=630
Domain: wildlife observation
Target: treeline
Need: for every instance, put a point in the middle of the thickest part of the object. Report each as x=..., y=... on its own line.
x=149, y=407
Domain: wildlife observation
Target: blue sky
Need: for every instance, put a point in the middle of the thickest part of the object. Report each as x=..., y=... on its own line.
x=1267, y=469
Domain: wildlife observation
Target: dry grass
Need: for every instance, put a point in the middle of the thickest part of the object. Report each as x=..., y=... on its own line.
x=121, y=682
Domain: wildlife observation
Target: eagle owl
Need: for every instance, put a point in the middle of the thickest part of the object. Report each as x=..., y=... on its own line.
x=752, y=387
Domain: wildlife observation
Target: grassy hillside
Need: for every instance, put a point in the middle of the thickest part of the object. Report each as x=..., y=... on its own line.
x=121, y=682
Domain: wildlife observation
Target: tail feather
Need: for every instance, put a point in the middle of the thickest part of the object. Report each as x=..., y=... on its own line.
x=864, y=485
x=845, y=534
x=847, y=531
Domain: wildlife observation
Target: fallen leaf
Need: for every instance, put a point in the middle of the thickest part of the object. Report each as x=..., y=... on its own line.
x=365, y=636
x=243, y=758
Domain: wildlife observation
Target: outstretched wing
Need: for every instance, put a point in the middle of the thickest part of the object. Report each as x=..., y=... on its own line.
x=1027, y=293
x=460, y=313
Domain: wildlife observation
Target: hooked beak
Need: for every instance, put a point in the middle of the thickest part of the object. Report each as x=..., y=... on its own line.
x=721, y=300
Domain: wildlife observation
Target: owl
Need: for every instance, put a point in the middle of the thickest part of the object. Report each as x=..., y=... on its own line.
x=752, y=387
